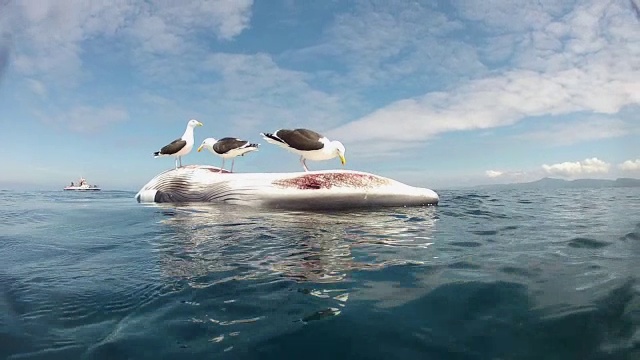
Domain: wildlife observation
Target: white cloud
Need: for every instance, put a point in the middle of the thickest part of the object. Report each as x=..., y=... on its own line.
x=565, y=61
x=382, y=42
x=493, y=173
x=49, y=34
x=242, y=93
x=581, y=61
x=53, y=40
x=155, y=36
x=86, y=119
x=630, y=165
x=509, y=176
x=568, y=133
x=573, y=169
x=37, y=87
x=168, y=27
x=492, y=102
x=500, y=15
x=253, y=90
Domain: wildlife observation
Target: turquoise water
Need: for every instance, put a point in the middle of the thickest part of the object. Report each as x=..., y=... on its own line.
x=484, y=275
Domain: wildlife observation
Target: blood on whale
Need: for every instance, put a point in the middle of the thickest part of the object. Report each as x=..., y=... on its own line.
x=327, y=181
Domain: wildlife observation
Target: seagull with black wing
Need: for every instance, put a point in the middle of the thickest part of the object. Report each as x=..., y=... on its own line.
x=181, y=146
x=308, y=144
x=228, y=147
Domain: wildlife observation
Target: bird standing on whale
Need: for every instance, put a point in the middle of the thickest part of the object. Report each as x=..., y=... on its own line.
x=228, y=147
x=182, y=146
x=308, y=144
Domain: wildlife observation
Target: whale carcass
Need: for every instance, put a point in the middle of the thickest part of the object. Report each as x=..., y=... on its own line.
x=328, y=189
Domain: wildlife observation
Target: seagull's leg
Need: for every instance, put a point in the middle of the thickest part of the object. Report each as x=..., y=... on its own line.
x=176, y=162
x=304, y=165
x=180, y=157
x=232, y=161
x=222, y=167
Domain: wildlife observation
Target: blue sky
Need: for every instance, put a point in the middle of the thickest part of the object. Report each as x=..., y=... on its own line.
x=431, y=93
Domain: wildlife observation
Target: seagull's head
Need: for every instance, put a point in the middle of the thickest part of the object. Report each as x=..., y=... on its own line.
x=207, y=144
x=193, y=123
x=339, y=149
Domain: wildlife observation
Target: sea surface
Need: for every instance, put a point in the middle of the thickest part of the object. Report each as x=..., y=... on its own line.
x=484, y=275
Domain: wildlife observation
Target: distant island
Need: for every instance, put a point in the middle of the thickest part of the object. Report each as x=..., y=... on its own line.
x=553, y=183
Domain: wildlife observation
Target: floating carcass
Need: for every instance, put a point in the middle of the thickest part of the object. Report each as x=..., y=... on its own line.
x=328, y=189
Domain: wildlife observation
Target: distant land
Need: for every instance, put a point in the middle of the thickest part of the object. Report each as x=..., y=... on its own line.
x=552, y=183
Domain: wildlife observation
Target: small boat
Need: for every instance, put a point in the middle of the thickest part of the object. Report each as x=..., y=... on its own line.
x=82, y=186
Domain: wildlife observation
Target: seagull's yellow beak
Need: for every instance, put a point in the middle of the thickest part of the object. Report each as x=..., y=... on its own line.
x=200, y=148
x=199, y=123
x=342, y=159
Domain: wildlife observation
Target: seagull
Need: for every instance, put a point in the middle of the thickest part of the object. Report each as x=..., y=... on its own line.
x=308, y=144
x=180, y=147
x=228, y=147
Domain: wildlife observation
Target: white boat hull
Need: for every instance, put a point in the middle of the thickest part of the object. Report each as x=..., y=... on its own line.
x=332, y=189
x=81, y=188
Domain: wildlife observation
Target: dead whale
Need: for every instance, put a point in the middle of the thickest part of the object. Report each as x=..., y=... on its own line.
x=328, y=189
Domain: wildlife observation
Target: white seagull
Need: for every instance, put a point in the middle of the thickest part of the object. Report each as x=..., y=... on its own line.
x=308, y=144
x=180, y=147
x=228, y=147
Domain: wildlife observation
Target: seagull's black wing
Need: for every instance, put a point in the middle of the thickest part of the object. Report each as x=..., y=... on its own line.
x=173, y=147
x=301, y=139
x=227, y=144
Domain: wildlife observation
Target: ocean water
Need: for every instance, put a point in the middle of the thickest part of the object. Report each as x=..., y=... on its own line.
x=484, y=275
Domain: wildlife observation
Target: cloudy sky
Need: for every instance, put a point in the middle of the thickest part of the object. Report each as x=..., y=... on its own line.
x=432, y=93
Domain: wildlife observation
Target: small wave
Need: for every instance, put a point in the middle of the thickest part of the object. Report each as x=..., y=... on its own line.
x=485, y=214
x=465, y=243
x=631, y=236
x=581, y=242
x=520, y=271
x=464, y=265
x=12, y=217
x=485, y=232
x=510, y=227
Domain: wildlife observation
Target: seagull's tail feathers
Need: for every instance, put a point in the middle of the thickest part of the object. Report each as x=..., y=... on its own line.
x=272, y=139
x=156, y=154
x=249, y=148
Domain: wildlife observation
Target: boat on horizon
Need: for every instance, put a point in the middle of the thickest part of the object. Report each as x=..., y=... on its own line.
x=82, y=186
